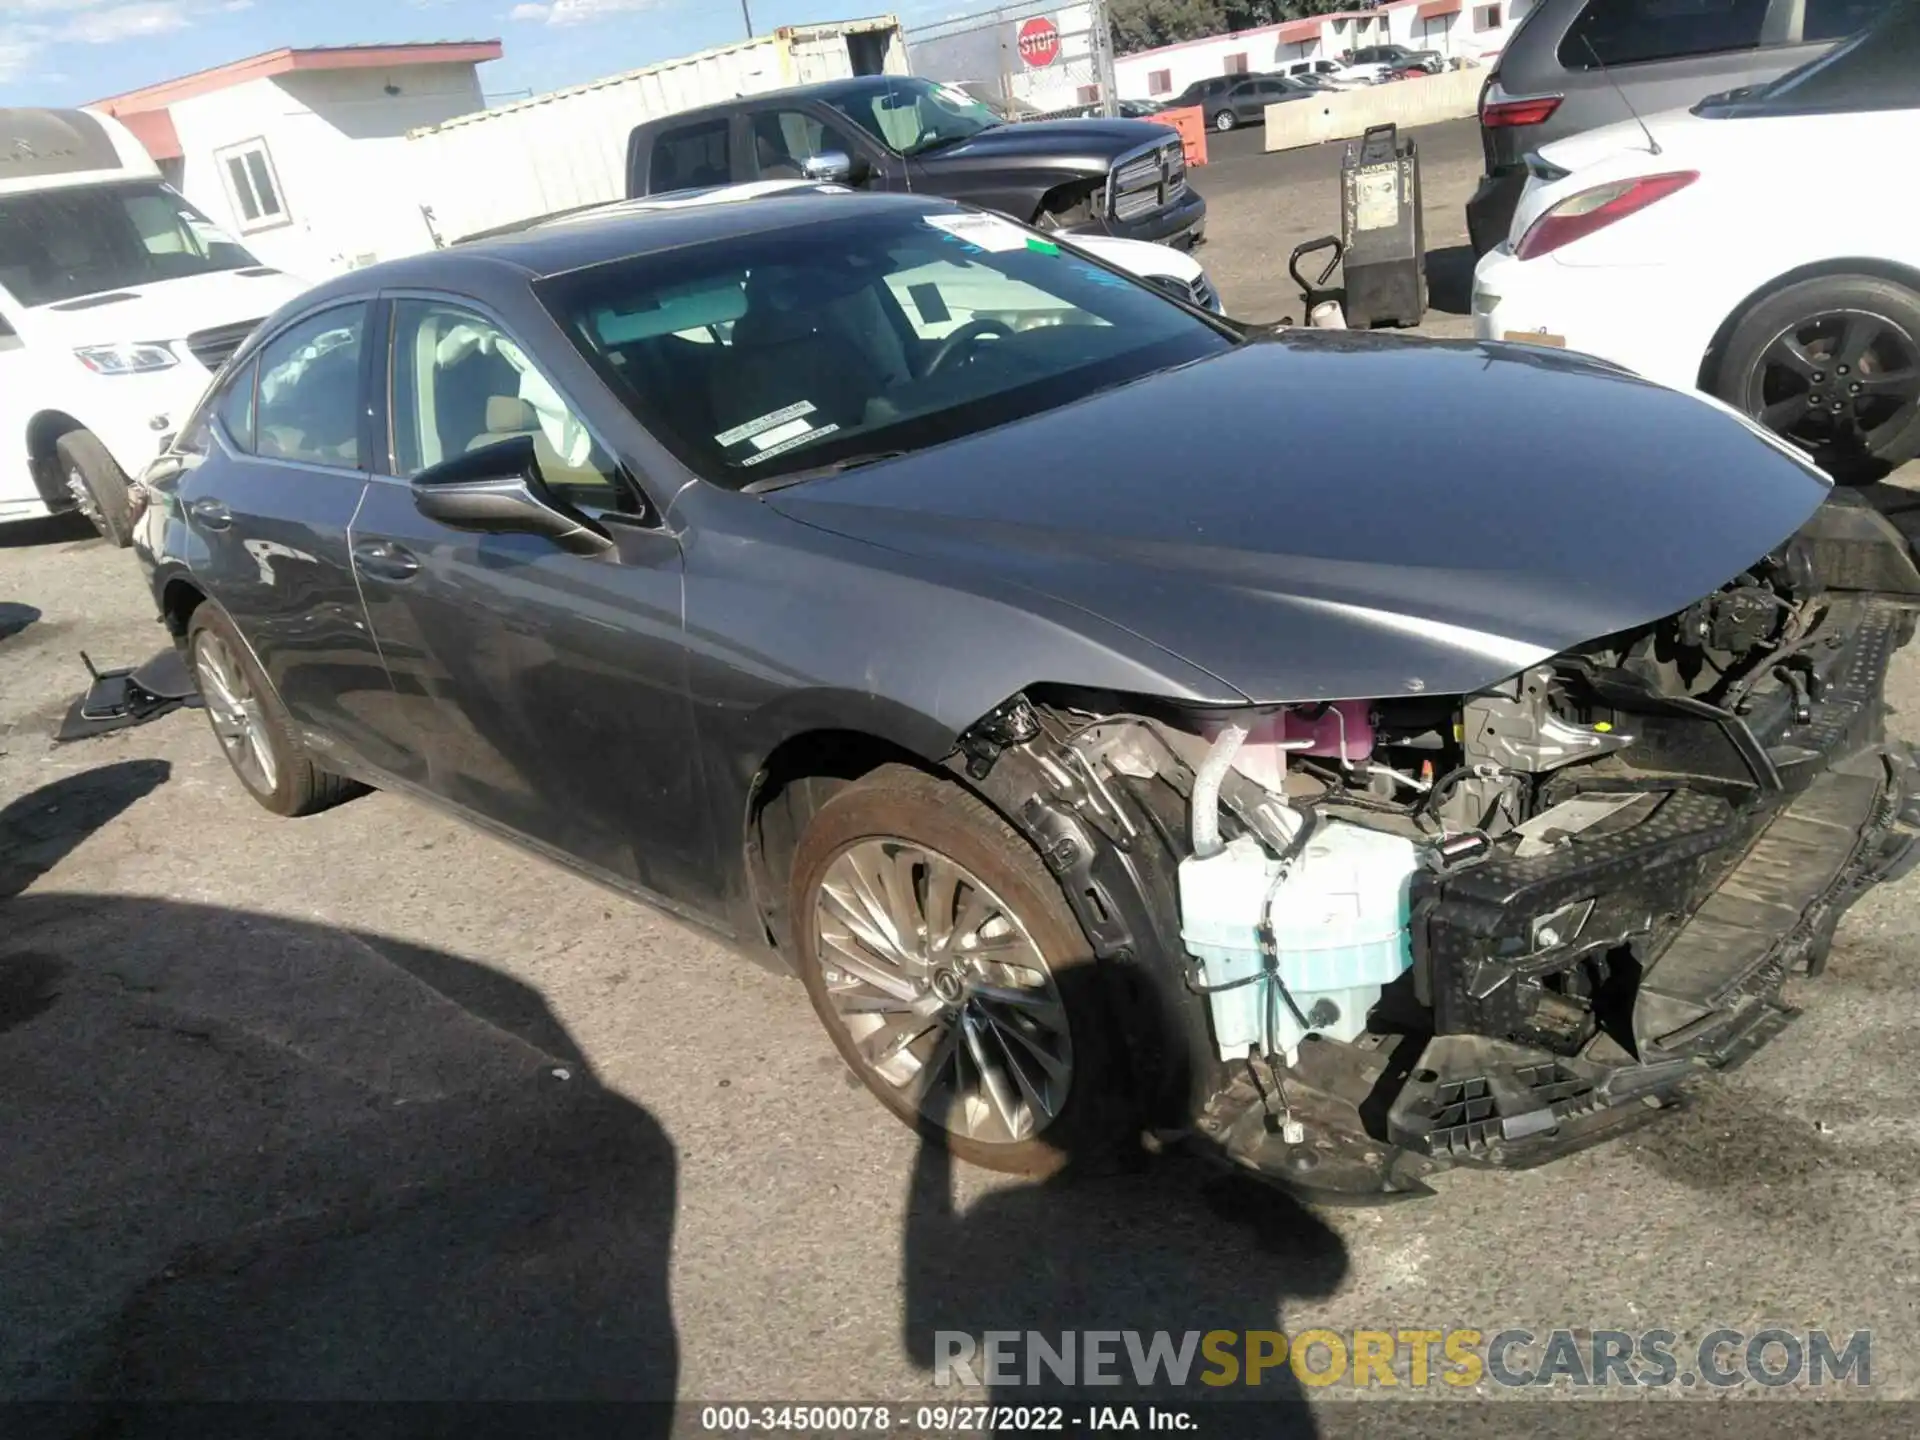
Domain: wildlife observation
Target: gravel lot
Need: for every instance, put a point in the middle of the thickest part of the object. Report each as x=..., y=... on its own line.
x=370, y=1104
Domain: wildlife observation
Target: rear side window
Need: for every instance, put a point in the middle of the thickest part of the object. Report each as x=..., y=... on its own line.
x=235, y=407
x=308, y=408
x=690, y=157
x=1631, y=32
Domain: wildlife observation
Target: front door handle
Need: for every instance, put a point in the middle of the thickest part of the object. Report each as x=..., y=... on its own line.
x=211, y=513
x=385, y=560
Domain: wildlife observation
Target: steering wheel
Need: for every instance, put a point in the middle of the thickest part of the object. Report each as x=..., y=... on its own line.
x=962, y=340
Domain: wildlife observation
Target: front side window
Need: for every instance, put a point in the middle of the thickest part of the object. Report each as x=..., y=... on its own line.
x=784, y=140
x=461, y=383
x=64, y=244
x=252, y=185
x=1879, y=69
x=691, y=157
x=308, y=405
x=1631, y=32
x=912, y=116
x=756, y=356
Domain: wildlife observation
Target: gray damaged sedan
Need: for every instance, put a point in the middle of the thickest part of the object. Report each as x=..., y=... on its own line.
x=924, y=606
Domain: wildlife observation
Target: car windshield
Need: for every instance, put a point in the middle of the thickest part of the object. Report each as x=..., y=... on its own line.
x=763, y=355
x=1878, y=69
x=911, y=116
x=63, y=244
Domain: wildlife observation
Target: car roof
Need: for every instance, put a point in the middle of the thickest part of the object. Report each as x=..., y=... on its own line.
x=578, y=240
x=852, y=88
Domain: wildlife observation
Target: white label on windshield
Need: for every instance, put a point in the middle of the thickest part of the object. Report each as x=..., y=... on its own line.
x=954, y=95
x=764, y=423
x=793, y=444
x=780, y=434
x=989, y=232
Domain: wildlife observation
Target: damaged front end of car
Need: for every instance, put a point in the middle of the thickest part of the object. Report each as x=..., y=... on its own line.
x=1352, y=941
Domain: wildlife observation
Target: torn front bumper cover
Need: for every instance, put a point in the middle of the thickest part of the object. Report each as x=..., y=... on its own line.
x=1701, y=909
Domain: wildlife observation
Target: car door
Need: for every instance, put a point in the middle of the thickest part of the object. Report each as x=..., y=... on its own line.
x=268, y=504
x=547, y=689
x=1251, y=99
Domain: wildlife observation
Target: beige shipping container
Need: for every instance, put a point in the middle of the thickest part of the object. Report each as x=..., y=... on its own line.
x=568, y=148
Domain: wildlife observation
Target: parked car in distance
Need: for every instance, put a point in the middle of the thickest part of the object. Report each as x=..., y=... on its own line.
x=1806, y=319
x=1332, y=73
x=1201, y=92
x=1247, y=102
x=118, y=301
x=904, y=134
x=1396, y=58
x=913, y=602
x=1575, y=65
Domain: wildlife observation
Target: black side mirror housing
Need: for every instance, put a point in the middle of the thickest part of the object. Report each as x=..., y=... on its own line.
x=497, y=490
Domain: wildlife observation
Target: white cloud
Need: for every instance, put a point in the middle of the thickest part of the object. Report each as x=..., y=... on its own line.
x=529, y=12
x=236, y=4
x=585, y=12
x=17, y=51
x=125, y=22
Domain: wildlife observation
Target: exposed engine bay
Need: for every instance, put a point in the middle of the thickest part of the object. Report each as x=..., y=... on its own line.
x=1416, y=930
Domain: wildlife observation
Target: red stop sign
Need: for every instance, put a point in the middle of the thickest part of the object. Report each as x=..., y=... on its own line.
x=1039, y=41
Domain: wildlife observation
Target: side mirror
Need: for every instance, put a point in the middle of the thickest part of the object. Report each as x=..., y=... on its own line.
x=496, y=490
x=835, y=167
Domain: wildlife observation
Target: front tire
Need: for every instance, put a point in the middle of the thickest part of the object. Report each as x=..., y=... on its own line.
x=251, y=724
x=1832, y=365
x=1225, y=121
x=950, y=975
x=99, y=486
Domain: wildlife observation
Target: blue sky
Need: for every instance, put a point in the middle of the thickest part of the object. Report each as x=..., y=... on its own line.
x=67, y=52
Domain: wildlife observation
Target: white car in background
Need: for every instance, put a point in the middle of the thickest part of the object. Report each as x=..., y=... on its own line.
x=1334, y=73
x=1763, y=246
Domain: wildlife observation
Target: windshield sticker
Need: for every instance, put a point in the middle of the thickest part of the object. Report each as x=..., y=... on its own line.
x=954, y=95
x=780, y=434
x=206, y=231
x=764, y=423
x=794, y=444
x=989, y=232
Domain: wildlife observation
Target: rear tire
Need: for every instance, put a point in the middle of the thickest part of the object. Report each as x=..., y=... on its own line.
x=253, y=727
x=1016, y=989
x=98, y=485
x=1789, y=362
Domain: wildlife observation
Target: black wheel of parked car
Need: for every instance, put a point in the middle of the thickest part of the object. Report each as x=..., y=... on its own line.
x=1225, y=120
x=98, y=485
x=253, y=727
x=1832, y=364
x=943, y=960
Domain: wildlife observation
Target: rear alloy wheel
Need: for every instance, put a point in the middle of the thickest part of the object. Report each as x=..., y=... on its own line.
x=940, y=955
x=253, y=727
x=98, y=485
x=1833, y=365
x=1225, y=121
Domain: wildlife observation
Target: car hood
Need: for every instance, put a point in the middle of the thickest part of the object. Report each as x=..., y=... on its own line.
x=168, y=309
x=1330, y=515
x=1095, y=137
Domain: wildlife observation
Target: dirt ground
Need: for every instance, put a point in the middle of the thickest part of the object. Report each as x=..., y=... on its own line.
x=370, y=1105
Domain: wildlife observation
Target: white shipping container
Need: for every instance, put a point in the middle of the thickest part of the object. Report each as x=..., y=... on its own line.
x=569, y=148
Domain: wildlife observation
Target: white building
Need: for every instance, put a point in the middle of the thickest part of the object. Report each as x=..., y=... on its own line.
x=303, y=154
x=1470, y=29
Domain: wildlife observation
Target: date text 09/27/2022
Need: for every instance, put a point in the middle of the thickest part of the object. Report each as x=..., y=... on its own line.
x=941, y=1419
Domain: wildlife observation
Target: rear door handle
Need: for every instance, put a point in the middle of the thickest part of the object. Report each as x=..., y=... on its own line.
x=385, y=560
x=211, y=513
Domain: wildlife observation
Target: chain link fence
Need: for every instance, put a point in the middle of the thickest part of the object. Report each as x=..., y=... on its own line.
x=1030, y=61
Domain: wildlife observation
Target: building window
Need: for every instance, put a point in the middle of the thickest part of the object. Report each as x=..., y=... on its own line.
x=253, y=185
x=1486, y=17
x=1088, y=94
x=1236, y=64
x=1159, y=82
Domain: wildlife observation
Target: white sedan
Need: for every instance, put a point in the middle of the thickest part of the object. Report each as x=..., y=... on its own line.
x=1764, y=247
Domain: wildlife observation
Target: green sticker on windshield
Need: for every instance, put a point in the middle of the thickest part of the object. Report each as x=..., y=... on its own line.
x=1045, y=247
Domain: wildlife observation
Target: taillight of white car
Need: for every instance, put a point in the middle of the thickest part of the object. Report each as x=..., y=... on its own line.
x=1578, y=216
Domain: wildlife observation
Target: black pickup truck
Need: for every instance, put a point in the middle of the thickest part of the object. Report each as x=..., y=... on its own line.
x=903, y=133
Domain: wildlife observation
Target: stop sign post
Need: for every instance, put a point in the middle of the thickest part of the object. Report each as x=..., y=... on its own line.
x=1039, y=42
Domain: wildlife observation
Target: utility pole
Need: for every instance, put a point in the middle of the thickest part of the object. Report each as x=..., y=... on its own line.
x=747, y=15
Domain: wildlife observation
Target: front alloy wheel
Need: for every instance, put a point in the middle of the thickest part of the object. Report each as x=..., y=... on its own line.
x=943, y=993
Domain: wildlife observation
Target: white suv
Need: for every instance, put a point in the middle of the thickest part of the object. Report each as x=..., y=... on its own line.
x=118, y=302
